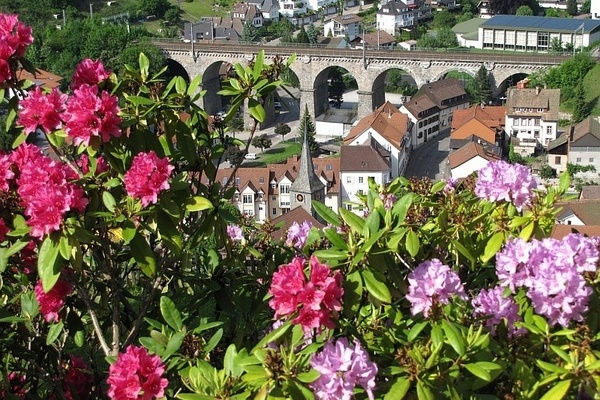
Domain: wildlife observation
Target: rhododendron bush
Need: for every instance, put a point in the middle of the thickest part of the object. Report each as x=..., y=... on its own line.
x=126, y=273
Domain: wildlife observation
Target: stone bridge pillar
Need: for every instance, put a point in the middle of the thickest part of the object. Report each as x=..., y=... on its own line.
x=365, y=103
x=307, y=99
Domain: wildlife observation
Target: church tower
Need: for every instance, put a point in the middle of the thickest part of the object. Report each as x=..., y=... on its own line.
x=307, y=186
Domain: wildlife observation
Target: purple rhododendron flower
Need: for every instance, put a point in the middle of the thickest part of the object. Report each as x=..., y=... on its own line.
x=500, y=180
x=297, y=234
x=492, y=304
x=432, y=282
x=552, y=272
x=342, y=367
x=235, y=233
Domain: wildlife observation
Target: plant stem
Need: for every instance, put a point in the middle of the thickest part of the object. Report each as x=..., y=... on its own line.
x=95, y=323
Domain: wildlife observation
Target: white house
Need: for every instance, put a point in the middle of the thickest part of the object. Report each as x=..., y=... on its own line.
x=343, y=26
x=357, y=165
x=532, y=113
x=394, y=16
x=268, y=8
x=579, y=212
x=248, y=12
x=468, y=159
x=386, y=129
x=291, y=8
x=584, y=147
x=424, y=115
x=595, y=9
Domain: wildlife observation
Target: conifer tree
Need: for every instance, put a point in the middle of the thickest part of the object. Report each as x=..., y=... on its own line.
x=307, y=125
x=482, y=89
x=581, y=109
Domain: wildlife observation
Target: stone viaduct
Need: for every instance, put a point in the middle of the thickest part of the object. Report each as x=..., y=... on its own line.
x=368, y=67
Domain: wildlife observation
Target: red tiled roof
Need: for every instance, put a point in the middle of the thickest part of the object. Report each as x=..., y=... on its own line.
x=490, y=116
x=386, y=120
x=559, y=231
x=41, y=78
x=298, y=215
x=468, y=152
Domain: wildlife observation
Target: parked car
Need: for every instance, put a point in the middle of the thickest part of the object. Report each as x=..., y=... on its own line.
x=250, y=156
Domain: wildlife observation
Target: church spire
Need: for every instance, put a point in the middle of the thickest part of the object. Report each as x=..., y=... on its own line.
x=307, y=186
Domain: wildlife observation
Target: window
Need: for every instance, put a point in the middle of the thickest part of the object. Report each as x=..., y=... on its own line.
x=247, y=199
x=536, y=134
x=549, y=130
x=516, y=122
x=536, y=122
x=284, y=189
x=349, y=207
x=348, y=179
x=261, y=180
x=237, y=180
x=360, y=192
x=591, y=159
x=360, y=179
x=329, y=167
x=274, y=211
x=578, y=159
x=557, y=160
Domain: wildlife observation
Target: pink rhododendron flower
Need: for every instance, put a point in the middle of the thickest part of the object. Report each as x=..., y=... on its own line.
x=297, y=234
x=432, y=283
x=89, y=115
x=136, y=375
x=89, y=72
x=495, y=307
x=45, y=190
x=16, y=387
x=14, y=39
x=52, y=302
x=77, y=380
x=147, y=177
x=315, y=300
x=512, y=183
x=235, y=233
x=342, y=367
x=85, y=163
x=551, y=271
x=6, y=174
x=3, y=230
x=42, y=110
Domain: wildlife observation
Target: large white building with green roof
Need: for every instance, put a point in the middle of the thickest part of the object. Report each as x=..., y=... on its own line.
x=536, y=34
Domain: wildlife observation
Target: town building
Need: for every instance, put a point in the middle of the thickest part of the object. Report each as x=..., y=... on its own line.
x=590, y=192
x=292, y=8
x=558, y=153
x=559, y=231
x=467, y=32
x=374, y=40
x=42, y=78
x=536, y=34
x=388, y=131
x=470, y=158
x=483, y=122
x=347, y=26
x=268, y=8
x=438, y=5
x=584, y=146
x=595, y=10
x=394, y=16
x=358, y=164
x=532, y=113
x=579, y=212
x=484, y=9
x=432, y=107
x=214, y=29
x=248, y=12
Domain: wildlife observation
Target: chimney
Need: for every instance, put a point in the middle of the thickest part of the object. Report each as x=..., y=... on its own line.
x=571, y=133
x=389, y=113
x=537, y=90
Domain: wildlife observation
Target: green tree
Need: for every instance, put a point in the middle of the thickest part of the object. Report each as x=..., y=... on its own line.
x=581, y=109
x=336, y=86
x=312, y=33
x=235, y=124
x=524, y=10
x=262, y=142
x=282, y=129
x=482, y=89
x=154, y=7
x=556, y=46
x=586, y=6
x=547, y=172
x=306, y=125
x=510, y=6
x=249, y=32
x=446, y=38
x=572, y=7
x=443, y=19
x=172, y=15
x=302, y=36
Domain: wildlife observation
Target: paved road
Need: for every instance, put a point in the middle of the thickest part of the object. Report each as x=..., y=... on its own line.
x=430, y=160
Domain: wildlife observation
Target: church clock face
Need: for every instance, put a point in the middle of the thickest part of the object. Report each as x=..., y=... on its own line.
x=300, y=198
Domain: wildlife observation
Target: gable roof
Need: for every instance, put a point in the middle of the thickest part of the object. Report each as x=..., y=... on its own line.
x=559, y=231
x=395, y=7
x=386, y=120
x=548, y=24
x=490, y=116
x=362, y=158
x=419, y=104
x=374, y=39
x=445, y=92
x=588, y=211
x=468, y=152
x=533, y=98
x=590, y=192
x=346, y=19
x=41, y=78
x=589, y=126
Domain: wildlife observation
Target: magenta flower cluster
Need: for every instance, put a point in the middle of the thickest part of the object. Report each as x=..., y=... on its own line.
x=297, y=234
x=432, y=283
x=552, y=272
x=342, y=368
x=512, y=183
x=14, y=39
x=147, y=177
x=235, y=233
x=87, y=114
x=136, y=375
x=492, y=305
x=45, y=187
x=314, y=300
x=52, y=302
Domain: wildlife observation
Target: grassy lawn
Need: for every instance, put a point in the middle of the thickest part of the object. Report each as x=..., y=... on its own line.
x=279, y=153
x=198, y=8
x=592, y=92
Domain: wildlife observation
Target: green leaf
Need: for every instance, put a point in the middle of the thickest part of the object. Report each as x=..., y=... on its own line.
x=376, y=287
x=308, y=377
x=331, y=254
x=79, y=338
x=64, y=247
x=355, y=222
x=412, y=243
x=144, y=63
x=193, y=396
x=194, y=84
x=256, y=110
x=398, y=390
x=561, y=353
x=415, y=330
x=180, y=85
x=213, y=341
x=401, y=207
x=143, y=254
x=478, y=372
x=565, y=181
x=169, y=312
x=326, y=213
x=423, y=392
x=272, y=336
x=6, y=253
x=198, y=203
x=54, y=332
x=455, y=337
x=229, y=362
x=549, y=367
x=526, y=232
x=558, y=391
x=128, y=230
x=463, y=250
x=48, y=266
x=492, y=246
x=109, y=201
x=335, y=238
x=174, y=344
